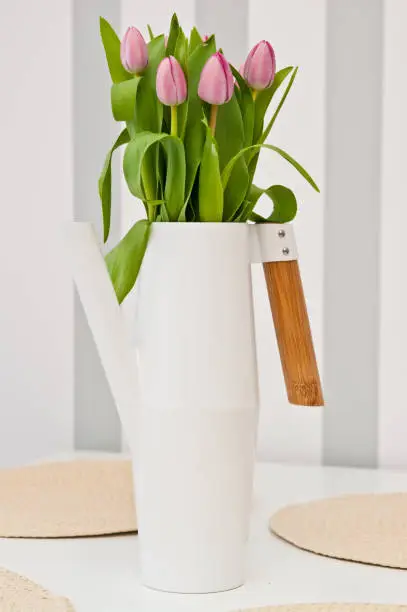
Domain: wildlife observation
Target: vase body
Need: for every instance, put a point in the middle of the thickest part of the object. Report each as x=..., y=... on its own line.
x=194, y=444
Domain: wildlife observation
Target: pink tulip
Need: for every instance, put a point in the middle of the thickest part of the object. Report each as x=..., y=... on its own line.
x=216, y=83
x=205, y=37
x=260, y=66
x=133, y=51
x=171, y=84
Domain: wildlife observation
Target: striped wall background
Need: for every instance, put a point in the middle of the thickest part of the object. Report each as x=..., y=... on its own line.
x=345, y=120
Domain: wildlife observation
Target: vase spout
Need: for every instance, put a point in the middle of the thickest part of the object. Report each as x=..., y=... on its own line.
x=105, y=319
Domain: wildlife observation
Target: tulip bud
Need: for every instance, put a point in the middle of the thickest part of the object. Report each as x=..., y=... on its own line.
x=216, y=82
x=205, y=37
x=133, y=51
x=260, y=66
x=171, y=84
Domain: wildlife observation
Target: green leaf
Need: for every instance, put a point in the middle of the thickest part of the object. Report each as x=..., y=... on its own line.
x=230, y=138
x=279, y=107
x=150, y=32
x=181, y=49
x=228, y=169
x=195, y=40
x=105, y=183
x=244, y=212
x=134, y=164
x=149, y=113
x=246, y=104
x=194, y=138
x=183, y=214
x=111, y=44
x=284, y=205
x=134, y=158
x=263, y=100
x=123, y=98
x=149, y=110
x=210, y=185
x=174, y=191
x=172, y=36
x=124, y=261
x=229, y=131
x=181, y=54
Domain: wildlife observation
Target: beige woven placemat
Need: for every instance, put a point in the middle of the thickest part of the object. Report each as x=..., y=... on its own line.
x=18, y=594
x=67, y=499
x=364, y=528
x=329, y=607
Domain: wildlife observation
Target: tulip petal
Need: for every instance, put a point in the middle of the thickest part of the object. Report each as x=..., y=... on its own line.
x=216, y=82
x=133, y=51
x=171, y=83
x=260, y=66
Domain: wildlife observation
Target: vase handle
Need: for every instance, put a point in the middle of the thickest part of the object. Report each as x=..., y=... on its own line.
x=274, y=246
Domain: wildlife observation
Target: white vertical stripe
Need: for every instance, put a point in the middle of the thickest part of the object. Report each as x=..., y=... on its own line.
x=296, y=29
x=36, y=317
x=97, y=424
x=393, y=290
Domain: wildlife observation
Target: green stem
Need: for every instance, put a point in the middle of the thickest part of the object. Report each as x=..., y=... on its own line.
x=254, y=93
x=174, y=121
x=150, y=195
x=212, y=118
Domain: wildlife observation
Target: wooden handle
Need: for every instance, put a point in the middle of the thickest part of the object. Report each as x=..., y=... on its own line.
x=293, y=333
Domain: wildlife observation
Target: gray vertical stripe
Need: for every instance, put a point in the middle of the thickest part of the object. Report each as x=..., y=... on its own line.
x=351, y=283
x=96, y=423
x=229, y=20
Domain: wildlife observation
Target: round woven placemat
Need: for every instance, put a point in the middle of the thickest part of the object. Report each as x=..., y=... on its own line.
x=364, y=528
x=18, y=594
x=329, y=607
x=67, y=499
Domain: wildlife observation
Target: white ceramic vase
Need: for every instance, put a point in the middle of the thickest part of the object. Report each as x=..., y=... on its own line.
x=191, y=420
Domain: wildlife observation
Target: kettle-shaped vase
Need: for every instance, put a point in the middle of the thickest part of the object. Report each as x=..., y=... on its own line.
x=191, y=420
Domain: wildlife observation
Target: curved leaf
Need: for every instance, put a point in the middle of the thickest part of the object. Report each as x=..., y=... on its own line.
x=134, y=158
x=105, y=183
x=284, y=205
x=263, y=100
x=210, y=185
x=123, y=98
x=228, y=169
x=279, y=107
x=111, y=43
x=134, y=161
x=124, y=261
x=174, y=190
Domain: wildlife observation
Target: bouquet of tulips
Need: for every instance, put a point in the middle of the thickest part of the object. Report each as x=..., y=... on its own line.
x=194, y=129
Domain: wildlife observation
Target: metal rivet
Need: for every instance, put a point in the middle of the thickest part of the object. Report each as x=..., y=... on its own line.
x=281, y=234
x=286, y=251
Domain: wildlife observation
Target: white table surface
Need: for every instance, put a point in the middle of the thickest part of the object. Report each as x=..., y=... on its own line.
x=102, y=575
